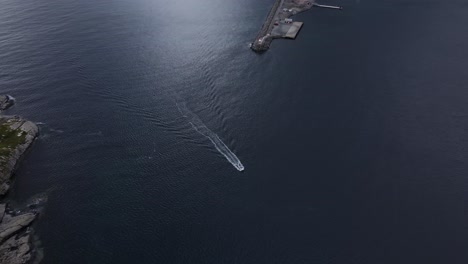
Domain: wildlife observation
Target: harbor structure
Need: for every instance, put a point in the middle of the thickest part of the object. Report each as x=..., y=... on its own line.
x=279, y=24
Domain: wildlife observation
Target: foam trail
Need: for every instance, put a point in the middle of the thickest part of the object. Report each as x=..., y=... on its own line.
x=198, y=125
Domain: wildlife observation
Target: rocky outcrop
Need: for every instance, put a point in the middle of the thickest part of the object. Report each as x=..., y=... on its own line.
x=16, y=250
x=16, y=136
x=6, y=102
x=2, y=211
x=12, y=224
x=15, y=246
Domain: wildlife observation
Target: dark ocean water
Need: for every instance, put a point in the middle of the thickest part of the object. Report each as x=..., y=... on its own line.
x=354, y=137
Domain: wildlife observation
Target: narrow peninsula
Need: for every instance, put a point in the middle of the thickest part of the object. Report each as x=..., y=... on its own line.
x=278, y=23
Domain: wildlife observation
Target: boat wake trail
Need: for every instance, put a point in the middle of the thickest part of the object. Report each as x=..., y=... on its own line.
x=198, y=125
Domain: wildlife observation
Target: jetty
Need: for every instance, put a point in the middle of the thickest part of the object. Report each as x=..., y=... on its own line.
x=278, y=23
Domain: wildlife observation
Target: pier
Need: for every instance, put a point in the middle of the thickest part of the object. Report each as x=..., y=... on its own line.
x=278, y=23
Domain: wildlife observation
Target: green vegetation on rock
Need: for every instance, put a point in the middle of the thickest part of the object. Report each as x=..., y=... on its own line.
x=10, y=138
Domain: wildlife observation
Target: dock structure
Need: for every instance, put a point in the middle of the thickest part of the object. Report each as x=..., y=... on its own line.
x=278, y=23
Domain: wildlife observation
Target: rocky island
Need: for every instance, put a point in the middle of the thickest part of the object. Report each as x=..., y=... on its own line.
x=16, y=136
x=279, y=24
x=6, y=102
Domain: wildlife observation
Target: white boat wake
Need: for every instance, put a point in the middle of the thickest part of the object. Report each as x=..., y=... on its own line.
x=198, y=125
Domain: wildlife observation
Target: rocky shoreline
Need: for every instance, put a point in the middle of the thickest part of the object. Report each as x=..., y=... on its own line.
x=16, y=137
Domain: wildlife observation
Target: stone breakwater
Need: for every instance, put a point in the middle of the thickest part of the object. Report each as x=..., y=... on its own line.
x=277, y=17
x=16, y=136
x=262, y=41
x=279, y=24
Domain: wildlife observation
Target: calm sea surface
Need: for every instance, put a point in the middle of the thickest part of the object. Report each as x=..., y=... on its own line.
x=354, y=137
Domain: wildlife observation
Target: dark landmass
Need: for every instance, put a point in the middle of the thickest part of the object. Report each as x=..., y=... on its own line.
x=16, y=136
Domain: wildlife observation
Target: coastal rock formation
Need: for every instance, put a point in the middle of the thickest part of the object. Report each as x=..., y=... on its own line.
x=14, y=238
x=6, y=102
x=12, y=224
x=16, y=250
x=16, y=136
x=2, y=211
